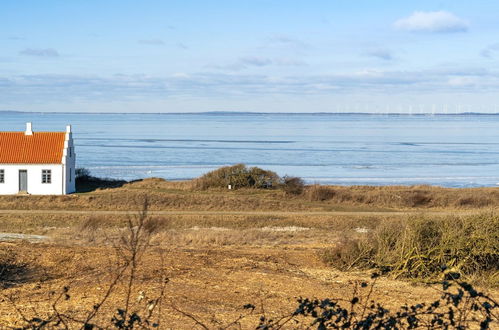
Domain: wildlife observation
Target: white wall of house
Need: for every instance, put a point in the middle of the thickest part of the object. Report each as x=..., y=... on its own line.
x=35, y=185
x=69, y=162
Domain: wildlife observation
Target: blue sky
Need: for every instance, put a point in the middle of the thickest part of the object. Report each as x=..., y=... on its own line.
x=265, y=56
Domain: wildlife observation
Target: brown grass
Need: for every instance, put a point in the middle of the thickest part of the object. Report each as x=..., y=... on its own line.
x=164, y=195
x=217, y=262
x=424, y=247
x=320, y=193
x=293, y=185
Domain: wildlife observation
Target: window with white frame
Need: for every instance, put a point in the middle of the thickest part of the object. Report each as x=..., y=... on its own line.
x=46, y=176
x=2, y=176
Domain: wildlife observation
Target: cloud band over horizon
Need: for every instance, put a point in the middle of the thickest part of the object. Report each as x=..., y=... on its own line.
x=224, y=55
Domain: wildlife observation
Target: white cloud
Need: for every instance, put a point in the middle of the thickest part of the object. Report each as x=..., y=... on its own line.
x=382, y=54
x=181, y=75
x=462, y=81
x=490, y=50
x=151, y=42
x=50, y=88
x=285, y=42
x=432, y=21
x=257, y=62
x=48, y=52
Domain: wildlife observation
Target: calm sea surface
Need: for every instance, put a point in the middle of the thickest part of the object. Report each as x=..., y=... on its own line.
x=347, y=149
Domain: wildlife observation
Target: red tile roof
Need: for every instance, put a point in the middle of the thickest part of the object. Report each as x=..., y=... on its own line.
x=39, y=148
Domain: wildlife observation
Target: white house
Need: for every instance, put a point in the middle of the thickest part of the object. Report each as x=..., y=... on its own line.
x=38, y=163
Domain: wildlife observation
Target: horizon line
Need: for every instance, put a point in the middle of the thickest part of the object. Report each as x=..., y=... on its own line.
x=259, y=113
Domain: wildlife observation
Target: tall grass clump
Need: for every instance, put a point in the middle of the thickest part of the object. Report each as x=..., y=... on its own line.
x=292, y=185
x=317, y=192
x=237, y=176
x=423, y=247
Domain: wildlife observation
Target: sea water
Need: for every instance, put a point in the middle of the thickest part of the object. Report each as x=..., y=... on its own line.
x=347, y=149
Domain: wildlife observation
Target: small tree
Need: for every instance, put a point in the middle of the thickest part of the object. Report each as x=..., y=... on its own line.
x=82, y=173
x=292, y=185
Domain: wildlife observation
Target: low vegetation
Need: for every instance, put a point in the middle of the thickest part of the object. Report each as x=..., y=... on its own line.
x=424, y=247
x=293, y=185
x=238, y=176
x=318, y=193
x=85, y=182
x=210, y=250
x=210, y=192
x=126, y=303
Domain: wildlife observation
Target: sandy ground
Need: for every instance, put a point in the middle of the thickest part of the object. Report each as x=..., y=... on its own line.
x=208, y=282
x=247, y=213
x=212, y=283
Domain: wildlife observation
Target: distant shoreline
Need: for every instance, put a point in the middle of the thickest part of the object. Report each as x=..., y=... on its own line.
x=235, y=113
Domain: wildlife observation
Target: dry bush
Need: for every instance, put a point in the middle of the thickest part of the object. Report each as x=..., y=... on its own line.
x=413, y=196
x=319, y=193
x=347, y=253
x=417, y=198
x=238, y=176
x=219, y=236
x=473, y=201
x=92, y=223
x=423, y=247
x=156, y=224
x=292, y=185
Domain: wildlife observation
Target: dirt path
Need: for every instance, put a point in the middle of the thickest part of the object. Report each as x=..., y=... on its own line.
x=7, y=237
x=278, y=213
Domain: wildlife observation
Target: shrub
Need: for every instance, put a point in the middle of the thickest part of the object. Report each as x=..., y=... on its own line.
x=422, y=247
x=82, y=173
x=320, y=193
x=292, y=185
x=349, y=252
x=473, y=201
x=418, y=198
x=238, y=176
x=85, y=182
x=262, y=178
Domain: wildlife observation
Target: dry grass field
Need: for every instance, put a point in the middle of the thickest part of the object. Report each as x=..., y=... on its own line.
x=183, y=196
x=219, y=249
